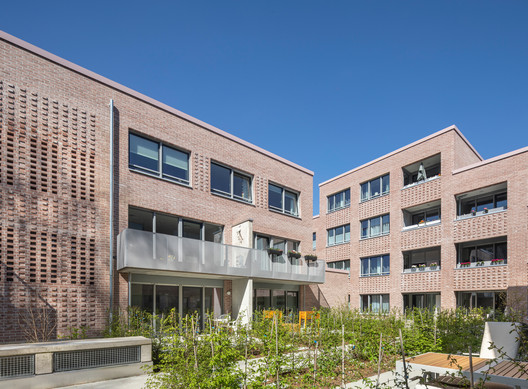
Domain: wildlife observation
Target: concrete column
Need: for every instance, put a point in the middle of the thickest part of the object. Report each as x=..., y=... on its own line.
x=43, y=363
x=242, y=299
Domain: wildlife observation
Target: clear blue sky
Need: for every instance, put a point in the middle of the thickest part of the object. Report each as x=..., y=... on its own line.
x=329, y=85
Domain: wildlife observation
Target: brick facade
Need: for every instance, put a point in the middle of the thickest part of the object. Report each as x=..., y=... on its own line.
x=462, y=170
x=55, y=186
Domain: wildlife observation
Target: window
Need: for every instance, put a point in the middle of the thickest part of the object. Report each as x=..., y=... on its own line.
x=340, y=265
x=227, y=182
x=375, y=266
x=494, y=198
x=422, y=171
x=282, y=200
x=339, y=200
x=161, y=223
x=487, y=300
x=424, y=214
x=379, y=225
x=263, y=242
x=429, y=301
x=375, y=188
x=339, y=235
x=376, y=303
x=157, y=159
x=314, y=241
x=484, y=252
x=422, y=258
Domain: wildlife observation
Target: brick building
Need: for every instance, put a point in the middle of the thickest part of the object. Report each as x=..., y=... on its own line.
x=194, y=209
x=429, y=225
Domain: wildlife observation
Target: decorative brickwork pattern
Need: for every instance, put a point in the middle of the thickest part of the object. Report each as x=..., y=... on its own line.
x=374, y=246
x=486, y=278
x=374, y=207
x=426, y=281
x=374, y=285
x=47, y=194
x=421, y=193
x=421, y=237
x=338, y=218
x=338, y=252
x=481, y=227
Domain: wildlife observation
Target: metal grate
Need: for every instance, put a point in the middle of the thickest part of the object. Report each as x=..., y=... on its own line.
x=86, y=359
x=17, y=366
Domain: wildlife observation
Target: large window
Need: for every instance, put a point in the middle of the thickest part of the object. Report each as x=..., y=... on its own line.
x=230, y=183
x=340, y=265
x=487, y=300
x=375, y=303
x=161, y=223
x=481, y=201
x=338, y=235
x=375, y=266
x=375, y=188
x=157, y=159
x=282, y=200
x=483, y=252
x=379, y=225
x=423, y=258
x=339, y=200
x=422, y=171
x=422, y=215
x=429, y=301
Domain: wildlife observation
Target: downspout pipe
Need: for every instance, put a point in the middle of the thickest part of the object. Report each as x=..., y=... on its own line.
x=111, y=213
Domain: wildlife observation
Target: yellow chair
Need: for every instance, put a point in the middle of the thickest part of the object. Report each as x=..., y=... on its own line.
x=304, y=316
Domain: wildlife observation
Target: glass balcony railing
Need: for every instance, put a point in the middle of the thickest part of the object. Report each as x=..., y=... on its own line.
x=149, y=251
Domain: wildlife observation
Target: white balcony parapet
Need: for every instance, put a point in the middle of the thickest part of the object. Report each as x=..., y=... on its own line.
x=143, y=250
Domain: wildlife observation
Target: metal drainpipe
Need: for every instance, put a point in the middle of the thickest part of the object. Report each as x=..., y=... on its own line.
x=111, y=216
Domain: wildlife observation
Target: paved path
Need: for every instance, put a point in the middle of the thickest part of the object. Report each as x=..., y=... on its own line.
x=136, y=382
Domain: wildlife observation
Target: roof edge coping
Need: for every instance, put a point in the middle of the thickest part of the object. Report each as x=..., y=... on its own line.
x=115, y=85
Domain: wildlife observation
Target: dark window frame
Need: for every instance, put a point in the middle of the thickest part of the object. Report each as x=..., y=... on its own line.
x=284, y=192
x=159, y=171
x=333, y=232
x=381, y=259
x=233, y=173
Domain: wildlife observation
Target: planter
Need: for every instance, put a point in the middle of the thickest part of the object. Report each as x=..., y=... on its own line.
x=272, y=251
x=465, y=264
x=413, y=269
x=310, y=257
x=497, y=261
x=294, y=254
x=480, y=263
x=422, y=268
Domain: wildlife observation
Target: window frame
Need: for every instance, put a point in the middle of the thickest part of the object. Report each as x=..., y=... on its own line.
x=369, y=196
x=333, y=232
x=381, y=259
x=284, y=191
x=383, y=298
x=232, y=174
x=331, y=199
x=160, y=152
x=344, y=262
x=369, y=226
x=476, y=244
x=475, y=199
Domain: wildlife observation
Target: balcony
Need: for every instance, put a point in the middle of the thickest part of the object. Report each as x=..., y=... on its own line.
x=142, y=251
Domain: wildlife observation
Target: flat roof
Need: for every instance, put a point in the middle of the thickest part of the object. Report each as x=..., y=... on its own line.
x=112, y=84
x=438, y=133
x=491, y=160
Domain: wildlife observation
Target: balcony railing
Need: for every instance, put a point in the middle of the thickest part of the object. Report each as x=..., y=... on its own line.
x=150, y=251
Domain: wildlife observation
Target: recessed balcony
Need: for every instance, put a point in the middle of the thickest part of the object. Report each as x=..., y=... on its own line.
x=143, y=251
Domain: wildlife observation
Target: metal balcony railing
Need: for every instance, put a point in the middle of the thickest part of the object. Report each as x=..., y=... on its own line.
x=151, y=251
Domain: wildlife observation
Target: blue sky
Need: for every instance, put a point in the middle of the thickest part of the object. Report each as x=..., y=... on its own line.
x=329, y=85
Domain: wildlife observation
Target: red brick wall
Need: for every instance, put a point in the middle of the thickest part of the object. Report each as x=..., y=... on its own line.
x=54, y=189
x=455, y=153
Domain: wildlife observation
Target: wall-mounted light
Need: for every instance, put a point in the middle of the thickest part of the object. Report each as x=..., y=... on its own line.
x=228, y=293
